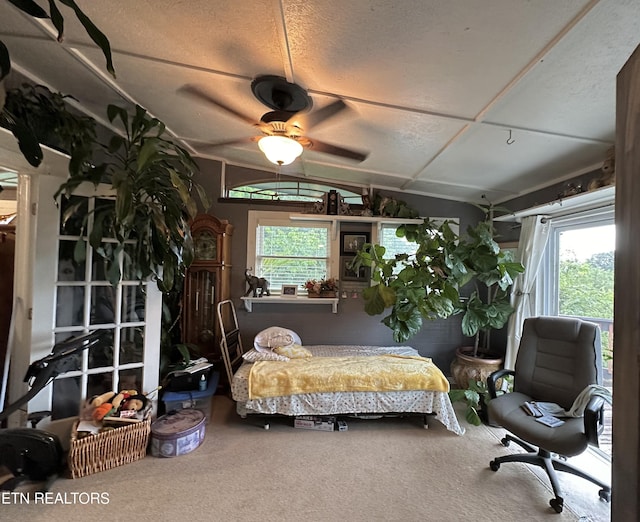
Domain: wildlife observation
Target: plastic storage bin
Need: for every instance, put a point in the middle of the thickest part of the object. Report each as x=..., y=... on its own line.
x=199, y=400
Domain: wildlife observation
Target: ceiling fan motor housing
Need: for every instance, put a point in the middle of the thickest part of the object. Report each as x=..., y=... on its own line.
x=278, y=94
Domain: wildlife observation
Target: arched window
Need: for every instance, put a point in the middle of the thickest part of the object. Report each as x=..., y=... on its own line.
x=280, y=190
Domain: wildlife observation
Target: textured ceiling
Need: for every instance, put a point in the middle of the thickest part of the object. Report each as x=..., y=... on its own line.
x=435, y=89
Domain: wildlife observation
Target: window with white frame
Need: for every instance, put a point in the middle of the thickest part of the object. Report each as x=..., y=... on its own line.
x=578, y=275
x=287, y=252
x=577, y=280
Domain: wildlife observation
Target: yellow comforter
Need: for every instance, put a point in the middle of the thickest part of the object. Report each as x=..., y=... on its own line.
x=340, y=374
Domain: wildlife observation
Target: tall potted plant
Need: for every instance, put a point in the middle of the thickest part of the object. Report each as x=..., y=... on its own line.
x=491, y=271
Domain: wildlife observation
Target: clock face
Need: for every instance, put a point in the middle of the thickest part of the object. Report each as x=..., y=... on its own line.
x=205, y=246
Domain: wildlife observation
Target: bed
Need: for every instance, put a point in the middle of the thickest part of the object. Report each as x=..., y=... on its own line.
x=315, y=396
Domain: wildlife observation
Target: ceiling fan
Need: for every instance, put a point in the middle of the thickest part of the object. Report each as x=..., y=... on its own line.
x=283, y=128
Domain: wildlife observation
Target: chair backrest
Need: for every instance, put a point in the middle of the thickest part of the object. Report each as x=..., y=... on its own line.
x=557, y=359
x=230, y=341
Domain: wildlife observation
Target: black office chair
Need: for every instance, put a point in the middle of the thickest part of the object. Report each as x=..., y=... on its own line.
x=558, y=358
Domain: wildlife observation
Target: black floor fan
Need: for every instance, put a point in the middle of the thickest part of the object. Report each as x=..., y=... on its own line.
x=31, y=454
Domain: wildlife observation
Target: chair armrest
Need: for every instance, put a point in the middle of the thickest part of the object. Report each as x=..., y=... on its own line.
x=493, y=378
x=594, y=420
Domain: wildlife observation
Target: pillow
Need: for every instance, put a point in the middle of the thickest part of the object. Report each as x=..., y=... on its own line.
x=254, y=355
x=274, y=336
x=293, y=351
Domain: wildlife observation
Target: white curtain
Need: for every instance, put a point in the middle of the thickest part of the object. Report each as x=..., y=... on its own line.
x=533, y=239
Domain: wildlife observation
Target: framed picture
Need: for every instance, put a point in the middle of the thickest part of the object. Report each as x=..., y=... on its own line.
x=347, y=274
x=351, y=242
x=289, y=290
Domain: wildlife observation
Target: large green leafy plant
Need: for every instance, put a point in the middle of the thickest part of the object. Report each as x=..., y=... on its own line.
x=28, y=138
x=416, y=286
x=427, y=284
x=491, y=271
x=152, y=178
x=36, y=115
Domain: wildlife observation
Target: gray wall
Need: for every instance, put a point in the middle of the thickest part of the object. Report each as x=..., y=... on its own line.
x=316, y=324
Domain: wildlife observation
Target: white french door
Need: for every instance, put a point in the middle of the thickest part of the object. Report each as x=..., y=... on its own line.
x=67, y=298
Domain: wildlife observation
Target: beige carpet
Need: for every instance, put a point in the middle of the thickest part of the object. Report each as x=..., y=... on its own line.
x=379, y=470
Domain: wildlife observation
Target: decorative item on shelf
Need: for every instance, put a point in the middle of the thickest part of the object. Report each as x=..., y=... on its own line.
x=322, y=287
x=608, y=175
x=258, y=285
x=333, y=203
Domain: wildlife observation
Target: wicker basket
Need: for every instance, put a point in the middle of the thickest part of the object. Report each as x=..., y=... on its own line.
x=108, y=449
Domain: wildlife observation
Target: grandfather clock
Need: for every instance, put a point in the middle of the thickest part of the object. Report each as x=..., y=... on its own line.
x=207, y=282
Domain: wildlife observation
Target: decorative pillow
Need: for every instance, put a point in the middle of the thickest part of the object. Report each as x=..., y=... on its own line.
x=293, y=351
x=274, y=336
x=254, y=355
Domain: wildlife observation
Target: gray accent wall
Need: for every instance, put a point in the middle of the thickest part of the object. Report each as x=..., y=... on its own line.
x=317, y=324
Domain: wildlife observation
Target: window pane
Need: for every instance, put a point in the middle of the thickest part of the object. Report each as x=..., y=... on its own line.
x=394, y=244
x=292, y=271
x=292, y=241
x=585, y=279
x=292, y=254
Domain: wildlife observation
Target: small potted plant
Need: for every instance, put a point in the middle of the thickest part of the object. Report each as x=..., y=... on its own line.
x=321, y=287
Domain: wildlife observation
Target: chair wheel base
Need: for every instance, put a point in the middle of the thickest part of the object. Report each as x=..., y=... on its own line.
x=494, y=465
x=557, y=504
x=505, y=442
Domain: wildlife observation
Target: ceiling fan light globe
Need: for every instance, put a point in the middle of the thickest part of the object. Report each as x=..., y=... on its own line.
x=280, y=150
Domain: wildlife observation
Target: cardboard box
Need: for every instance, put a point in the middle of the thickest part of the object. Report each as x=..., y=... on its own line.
x=311, y=422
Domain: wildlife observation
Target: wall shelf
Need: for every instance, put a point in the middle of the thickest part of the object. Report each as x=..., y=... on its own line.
x=335, y=219
x=301, y=300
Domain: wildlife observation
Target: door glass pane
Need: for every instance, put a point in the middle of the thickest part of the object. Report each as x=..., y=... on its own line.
x=68, y=268
x=100, y=266
x=131, y=380
x=73, y=212
x=102, y=304
x=131, y=345
x=128, y=273
x=67, y=395
x=69, y=306
x=132, y=304
x=100, y=355
x=99, y=383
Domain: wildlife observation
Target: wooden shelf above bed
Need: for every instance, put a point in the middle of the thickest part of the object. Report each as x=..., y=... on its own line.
x=300, y=300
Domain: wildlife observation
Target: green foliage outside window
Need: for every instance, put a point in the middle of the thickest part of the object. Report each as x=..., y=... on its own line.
x=291, y=255
x=586, y=290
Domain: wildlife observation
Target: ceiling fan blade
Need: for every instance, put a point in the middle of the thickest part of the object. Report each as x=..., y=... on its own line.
x=312, y=119
x=238, y=141
x=321, y=146
x=196, y=92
